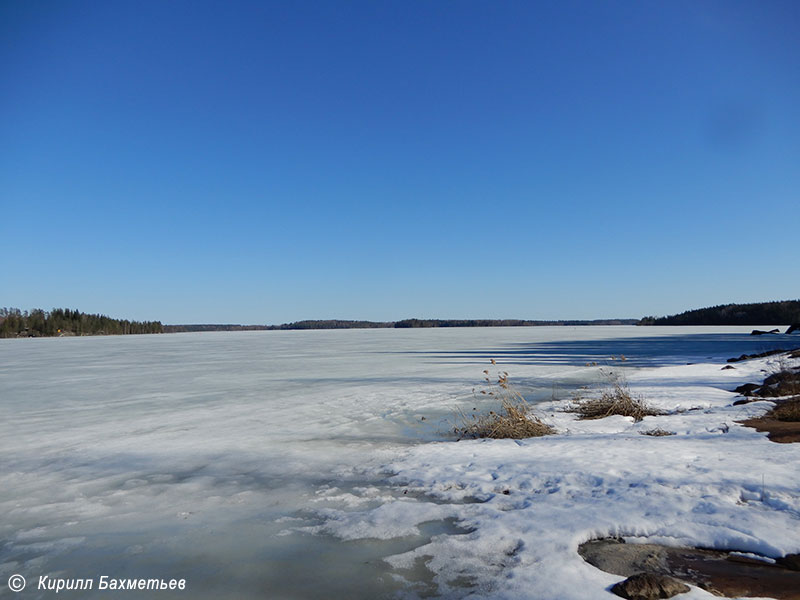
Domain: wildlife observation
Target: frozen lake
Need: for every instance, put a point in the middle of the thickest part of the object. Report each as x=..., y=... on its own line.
x=213, y=456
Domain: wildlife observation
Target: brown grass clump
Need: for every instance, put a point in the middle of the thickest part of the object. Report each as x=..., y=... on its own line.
x=515, y=421
x=615, y=400
x=788, y=410
x=782, y=422
x=785, y=382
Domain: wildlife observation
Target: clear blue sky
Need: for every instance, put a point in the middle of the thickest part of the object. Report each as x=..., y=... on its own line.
x=260, y=162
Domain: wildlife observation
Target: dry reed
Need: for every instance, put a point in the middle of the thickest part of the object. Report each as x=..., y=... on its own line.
x=515, y=421
x=616, y=399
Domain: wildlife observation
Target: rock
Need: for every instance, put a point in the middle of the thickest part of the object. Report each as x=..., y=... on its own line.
x=747, y=389
x=713, y=570
x=760, y=332
x=793, y=328
x=647, y=586
x=727, y=367
x=775, y=378
x=766, y=391
x=790, y=561
x=762, y=355
x=784, y=383
x=613, y=555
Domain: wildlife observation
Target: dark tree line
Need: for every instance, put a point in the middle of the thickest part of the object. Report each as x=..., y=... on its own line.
x=415, y=323
x=211, y=327
x=418, y=323
x=311, y=324
x=63, y=321
x=333, y=324
x=404, y=324
x=783, y=312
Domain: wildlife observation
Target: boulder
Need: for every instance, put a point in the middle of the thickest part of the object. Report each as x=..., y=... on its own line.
x=762, y=355
x=790, y=561
x=727, y=367
x=747, y=389
x=648, y=586
x=793, y=328
x=776, y=378
x=760, y=332
x=784, y=383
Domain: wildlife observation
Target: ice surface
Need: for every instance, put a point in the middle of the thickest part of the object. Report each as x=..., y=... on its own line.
x=293, y=464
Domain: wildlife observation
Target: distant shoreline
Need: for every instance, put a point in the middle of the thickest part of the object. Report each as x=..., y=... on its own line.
x=66, y=322
x=404, y=324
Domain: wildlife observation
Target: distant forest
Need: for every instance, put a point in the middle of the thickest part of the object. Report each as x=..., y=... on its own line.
x=66, y=322
x=505, y=323
x=785, y=312
x=404, y=324
x=329, y=324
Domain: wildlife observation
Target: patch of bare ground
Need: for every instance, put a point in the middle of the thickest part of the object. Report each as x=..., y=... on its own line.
x=722, y=573
x=780, y=431
x=782, y=422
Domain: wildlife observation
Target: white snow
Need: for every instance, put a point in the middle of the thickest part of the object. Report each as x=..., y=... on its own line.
x=715, y=484
x=300, y=463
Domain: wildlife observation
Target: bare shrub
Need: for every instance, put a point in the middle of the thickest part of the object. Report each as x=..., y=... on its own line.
x=514, y=420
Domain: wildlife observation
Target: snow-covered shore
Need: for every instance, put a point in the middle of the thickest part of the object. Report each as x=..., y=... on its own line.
x=525, y=506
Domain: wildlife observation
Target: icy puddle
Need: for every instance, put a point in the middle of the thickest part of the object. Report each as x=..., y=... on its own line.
x=312, y=464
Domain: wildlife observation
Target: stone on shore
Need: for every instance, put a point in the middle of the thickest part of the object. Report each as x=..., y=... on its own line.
x=649, y=586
